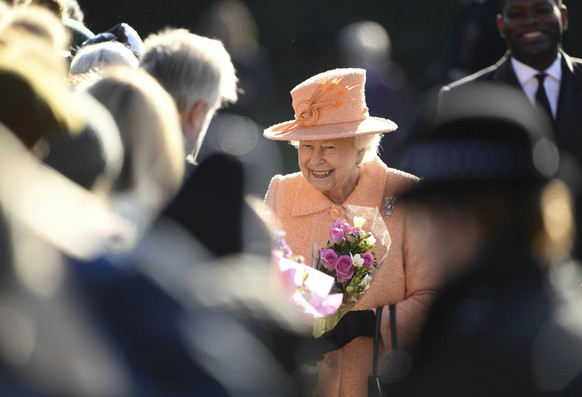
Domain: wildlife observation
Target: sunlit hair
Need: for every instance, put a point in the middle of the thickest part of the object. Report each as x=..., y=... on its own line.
x=35, y=101
x=148, y=122
x=369, y=142
x=57, y=7
x=74, y=11
x=191, y=68
x=80, y=82
x=34, y=22
x=100, y=55
x=4, y=9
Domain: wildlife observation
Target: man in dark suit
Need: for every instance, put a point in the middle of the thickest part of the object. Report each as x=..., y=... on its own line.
x=533, y=31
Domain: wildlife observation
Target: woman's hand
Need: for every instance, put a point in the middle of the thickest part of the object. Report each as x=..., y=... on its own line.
x=351, y=325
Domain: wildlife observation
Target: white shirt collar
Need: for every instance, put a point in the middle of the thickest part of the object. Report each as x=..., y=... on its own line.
x=524, y=72
x=526, y=76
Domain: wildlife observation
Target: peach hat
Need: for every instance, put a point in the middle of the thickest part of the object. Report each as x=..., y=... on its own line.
x=330, y=105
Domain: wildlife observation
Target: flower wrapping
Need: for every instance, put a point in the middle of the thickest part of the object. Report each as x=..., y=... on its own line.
x=352, y=254
x=309, y=288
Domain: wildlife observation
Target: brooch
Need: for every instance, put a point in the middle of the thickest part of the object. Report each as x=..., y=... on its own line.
x=390, y=204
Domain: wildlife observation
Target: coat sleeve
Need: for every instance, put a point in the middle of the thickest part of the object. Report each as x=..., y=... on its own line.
x=271, y=195
x=421, y=284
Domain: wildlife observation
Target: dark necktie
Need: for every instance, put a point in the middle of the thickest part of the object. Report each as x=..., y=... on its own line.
x=542, y=96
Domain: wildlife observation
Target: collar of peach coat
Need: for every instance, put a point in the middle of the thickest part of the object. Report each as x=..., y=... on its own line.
x=368, y=190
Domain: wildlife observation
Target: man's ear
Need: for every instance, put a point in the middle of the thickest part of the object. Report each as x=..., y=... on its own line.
x=564, y=16
x=193, y=120
x=501, y=25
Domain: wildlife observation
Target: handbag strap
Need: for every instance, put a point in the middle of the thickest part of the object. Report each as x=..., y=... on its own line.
x=377, y=335
x=393, y=329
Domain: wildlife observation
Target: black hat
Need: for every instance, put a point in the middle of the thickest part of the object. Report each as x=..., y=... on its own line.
x=479, y=134
x=122, y=33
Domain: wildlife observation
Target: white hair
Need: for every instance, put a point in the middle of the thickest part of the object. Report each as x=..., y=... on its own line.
x=370, y=143
x=191, y=68
x=100, y=55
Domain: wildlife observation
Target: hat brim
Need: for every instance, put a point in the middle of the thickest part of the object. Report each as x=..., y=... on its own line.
x=370, y=125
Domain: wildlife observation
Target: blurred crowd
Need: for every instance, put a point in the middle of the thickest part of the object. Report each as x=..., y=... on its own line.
x=136, y=248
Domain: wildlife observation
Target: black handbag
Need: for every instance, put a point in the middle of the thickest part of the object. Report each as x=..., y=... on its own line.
x=374, y=384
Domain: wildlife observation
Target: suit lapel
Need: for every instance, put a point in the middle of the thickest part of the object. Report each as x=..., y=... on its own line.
x=504, y=72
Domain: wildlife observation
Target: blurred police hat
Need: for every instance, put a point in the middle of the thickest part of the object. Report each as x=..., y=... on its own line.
x=123, y=33
x=481, y=134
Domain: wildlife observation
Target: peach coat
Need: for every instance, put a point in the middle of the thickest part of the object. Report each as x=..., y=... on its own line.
x=405, y=278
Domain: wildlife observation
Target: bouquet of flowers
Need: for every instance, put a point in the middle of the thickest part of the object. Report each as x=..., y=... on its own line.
x=351, y=256
x=309, y=288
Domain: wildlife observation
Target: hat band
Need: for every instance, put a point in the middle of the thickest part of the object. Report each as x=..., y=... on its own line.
x=307, y=112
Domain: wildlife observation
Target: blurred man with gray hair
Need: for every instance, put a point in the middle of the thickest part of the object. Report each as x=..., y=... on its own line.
x=197, y=72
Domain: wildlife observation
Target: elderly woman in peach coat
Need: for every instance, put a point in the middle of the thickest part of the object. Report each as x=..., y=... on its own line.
x=337, y=142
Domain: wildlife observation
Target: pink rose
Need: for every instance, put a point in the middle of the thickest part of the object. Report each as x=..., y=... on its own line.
x=344, y=268
x=328, y=258
x=336, y=235
x=342, y=224
x=368, y=260
x=357, y=232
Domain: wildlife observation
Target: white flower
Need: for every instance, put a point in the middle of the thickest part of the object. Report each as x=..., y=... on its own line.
x=370, y=239
x=359, y=221
x=366, y=281
x=357, y=260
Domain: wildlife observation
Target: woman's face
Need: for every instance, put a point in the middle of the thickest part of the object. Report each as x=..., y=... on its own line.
x=331, y=166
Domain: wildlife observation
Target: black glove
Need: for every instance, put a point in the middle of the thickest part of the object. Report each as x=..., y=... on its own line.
x=351, y=325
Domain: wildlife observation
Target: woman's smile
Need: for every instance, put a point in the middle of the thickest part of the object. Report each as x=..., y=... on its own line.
x=321, y=174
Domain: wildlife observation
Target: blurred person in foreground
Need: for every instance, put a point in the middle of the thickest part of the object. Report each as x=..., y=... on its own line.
x=147, y=120
x=48, y=342
x=337, y=143
x=533, y=32
x=90, y=157
x=139, y=318
x=32, y=73
x=508, y=320
x=153, y=300
x=37, y=23
x=60, y=9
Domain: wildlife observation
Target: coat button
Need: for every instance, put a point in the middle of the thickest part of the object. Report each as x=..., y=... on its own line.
x=334, y=213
